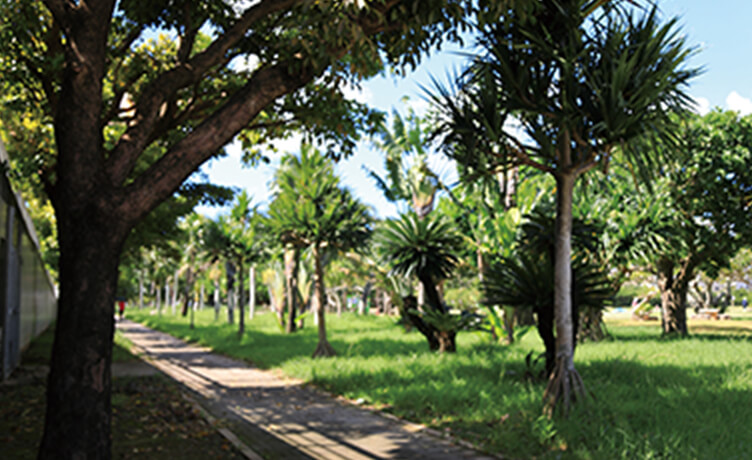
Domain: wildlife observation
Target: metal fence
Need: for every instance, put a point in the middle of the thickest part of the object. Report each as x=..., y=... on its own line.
x=28, y=298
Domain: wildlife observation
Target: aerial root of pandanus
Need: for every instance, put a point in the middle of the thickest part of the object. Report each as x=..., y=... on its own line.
x=565, y=386
x=324, y=350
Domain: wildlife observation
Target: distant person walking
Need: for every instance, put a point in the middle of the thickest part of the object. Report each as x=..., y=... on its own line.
x=121, y=308
x=744, y=304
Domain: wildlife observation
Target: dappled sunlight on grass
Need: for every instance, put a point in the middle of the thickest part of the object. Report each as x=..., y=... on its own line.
x=654, y=397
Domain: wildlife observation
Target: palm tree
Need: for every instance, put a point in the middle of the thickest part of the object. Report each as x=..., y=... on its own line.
x=412, y=182
x=424, y=248
x=236, y=239
x=583, y=79
x=311, y=210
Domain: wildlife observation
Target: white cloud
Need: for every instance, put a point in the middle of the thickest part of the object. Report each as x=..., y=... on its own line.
x=701, y=105
x=362, y=94
x=739, y=103
x=419, y=105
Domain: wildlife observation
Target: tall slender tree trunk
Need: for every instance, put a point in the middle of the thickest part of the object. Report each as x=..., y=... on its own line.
x=216, y=300
x=174, y=299
x=363, y=302
x=231, y=305
x=241, y=303
x=252, y=292
x=167, y=294
x=77, y=422
x=187, y=301
x=565, y=384
x=231, y=297
x=201, y=296
x=158, y=299
x=673, y=298
x=323, y=349
x=292, y=262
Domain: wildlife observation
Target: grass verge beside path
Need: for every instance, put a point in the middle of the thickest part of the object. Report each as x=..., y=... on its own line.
x=654, y=398
x=150, y=417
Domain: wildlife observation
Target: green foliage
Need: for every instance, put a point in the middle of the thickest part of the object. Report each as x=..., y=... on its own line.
x=310, y=207
x=526, y=278
x=412, y=246
x=415, y=182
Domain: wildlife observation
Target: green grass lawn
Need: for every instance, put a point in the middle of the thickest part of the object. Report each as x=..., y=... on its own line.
x=653, y=397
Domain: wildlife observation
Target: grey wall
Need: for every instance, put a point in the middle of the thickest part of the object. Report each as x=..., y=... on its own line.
x=27, y=314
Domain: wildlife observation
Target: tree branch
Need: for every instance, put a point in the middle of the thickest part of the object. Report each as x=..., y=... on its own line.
x=135, y=139
x=159, y=181
x=525, y=159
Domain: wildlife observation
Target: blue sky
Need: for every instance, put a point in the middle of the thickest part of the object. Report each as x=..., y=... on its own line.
x=721, y=31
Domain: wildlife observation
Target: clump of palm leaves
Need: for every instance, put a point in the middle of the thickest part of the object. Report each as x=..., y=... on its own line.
x=526, y=279
x=425, y=248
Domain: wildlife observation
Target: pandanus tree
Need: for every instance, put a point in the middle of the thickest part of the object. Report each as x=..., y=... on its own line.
x=525, y=278
x=425, y=248
x=312, y=210
x=582, y=79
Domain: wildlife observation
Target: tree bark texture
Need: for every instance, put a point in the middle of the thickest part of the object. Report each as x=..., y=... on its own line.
x=673, y=298
x=565, y=384
x=77, y=423
x=324, y=348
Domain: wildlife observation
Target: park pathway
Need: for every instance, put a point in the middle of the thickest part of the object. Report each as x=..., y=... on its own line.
x=278, y=417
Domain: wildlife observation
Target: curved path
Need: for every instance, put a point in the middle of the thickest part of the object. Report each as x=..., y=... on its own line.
x=279, y=417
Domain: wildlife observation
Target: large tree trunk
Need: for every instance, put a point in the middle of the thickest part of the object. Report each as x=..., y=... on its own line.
x=77, y=423
x=292, y=262
x=323, y=349
x=673, y=298
x=564, y=385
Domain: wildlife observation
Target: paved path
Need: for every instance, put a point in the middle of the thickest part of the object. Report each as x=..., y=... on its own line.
x=279, y=417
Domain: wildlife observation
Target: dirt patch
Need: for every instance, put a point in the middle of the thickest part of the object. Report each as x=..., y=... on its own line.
x=150, y=419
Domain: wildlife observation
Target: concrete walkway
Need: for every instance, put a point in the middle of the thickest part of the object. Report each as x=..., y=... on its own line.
x=278, y=417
